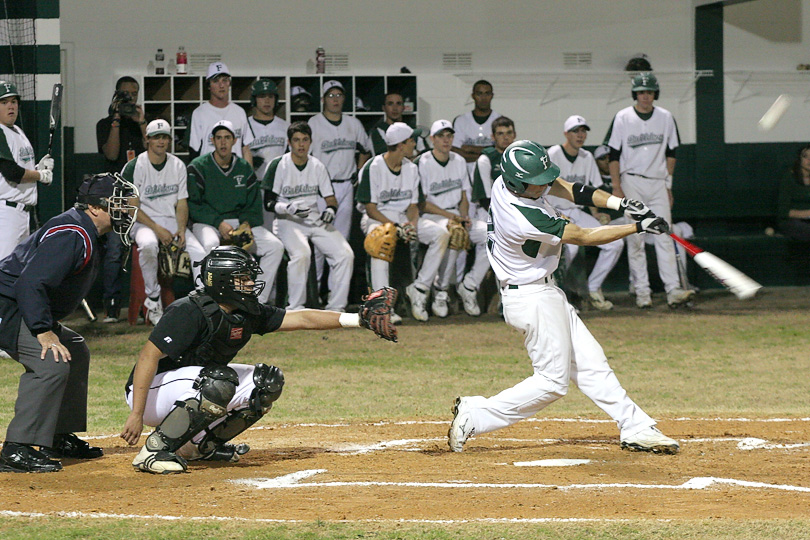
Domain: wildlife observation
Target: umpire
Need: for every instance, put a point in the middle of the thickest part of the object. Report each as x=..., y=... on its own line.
x=44, y=280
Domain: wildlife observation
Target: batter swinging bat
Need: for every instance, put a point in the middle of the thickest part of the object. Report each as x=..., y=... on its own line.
x=56, y=112
x=738, y=283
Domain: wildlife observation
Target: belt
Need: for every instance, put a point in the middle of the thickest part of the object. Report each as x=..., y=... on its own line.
x=20, y=206
x=547, y=279
x=645, y=177
x=340, y=181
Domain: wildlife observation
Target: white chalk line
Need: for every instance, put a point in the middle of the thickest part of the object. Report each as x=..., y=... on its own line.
x=294, y=481
x=103, y=515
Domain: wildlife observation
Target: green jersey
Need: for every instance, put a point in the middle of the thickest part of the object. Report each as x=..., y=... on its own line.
x=216, y=194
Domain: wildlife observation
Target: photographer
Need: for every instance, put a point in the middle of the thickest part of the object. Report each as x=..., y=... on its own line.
x=124, y=128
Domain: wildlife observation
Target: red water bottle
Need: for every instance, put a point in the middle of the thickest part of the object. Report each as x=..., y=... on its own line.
x=182, y=61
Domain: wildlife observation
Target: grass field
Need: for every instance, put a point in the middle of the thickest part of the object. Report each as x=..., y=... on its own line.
x=723, y=358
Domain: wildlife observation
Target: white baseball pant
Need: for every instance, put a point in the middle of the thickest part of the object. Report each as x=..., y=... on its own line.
x=608, y=253
x=473, y=278
x=14, y=222
x=344, y=193
x=428, y=232
x=561, y=349
x=296, y=234
x=265, y=245
x=653, y=193
x=149, y=246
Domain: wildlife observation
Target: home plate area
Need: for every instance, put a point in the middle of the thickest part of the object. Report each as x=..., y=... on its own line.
x=538, y=470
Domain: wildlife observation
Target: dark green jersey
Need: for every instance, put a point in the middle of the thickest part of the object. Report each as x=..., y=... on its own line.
x=487, y=169
x=215, y=194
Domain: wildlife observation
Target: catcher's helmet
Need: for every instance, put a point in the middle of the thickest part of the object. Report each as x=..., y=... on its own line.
x=526, y=162
x=262, y=86
x=111, y=192
x=224, y=271
x=645, y=81
x=8, y=89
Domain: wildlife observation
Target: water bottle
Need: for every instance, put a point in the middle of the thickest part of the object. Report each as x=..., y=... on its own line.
x=320, y=60
x=182, y=61
x=160, y=65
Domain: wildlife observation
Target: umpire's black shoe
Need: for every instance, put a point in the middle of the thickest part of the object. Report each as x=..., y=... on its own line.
x=24, y=458
x=69, y=445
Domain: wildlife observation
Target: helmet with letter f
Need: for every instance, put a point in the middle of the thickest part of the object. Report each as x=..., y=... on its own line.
x=527, y=163
x=645, y=81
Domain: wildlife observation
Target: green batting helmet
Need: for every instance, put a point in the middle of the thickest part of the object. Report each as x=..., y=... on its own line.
x=526, y=162
x=8, y=89
x=645, y=81
x=262, y=86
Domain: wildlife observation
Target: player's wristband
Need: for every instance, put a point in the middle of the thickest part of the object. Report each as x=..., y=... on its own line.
x=613, y=203
x=349, y=320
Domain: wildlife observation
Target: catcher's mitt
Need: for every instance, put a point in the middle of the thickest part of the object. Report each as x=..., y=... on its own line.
x=459, y=237
x=375, y=313
x=381, y=242
x=407, y=232
x=173, y=262
x=241, y=237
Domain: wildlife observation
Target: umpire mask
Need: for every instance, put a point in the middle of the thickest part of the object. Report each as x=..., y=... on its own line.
x=113, y=193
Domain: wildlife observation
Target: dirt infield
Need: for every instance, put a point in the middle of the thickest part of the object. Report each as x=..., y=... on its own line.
x=729, y=468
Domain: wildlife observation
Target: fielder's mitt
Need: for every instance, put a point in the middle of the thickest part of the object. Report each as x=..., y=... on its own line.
x=381, y=242
x=459, y=237
x=242, y=237
x=407, y=233
x=173, y=262
x=375, y=313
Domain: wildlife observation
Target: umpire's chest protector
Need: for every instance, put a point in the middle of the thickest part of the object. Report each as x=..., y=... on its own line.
x=228, y=333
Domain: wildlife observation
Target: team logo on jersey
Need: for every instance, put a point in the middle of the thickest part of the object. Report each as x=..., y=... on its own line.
x=167, y=339
x=634, y=141
x=239, y=178
x=236, y=333
x=443, y=186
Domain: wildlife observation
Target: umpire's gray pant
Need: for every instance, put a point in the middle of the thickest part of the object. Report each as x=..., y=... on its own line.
x=52, y=396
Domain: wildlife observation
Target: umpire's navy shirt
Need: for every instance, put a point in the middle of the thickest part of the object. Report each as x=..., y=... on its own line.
x=46, y=276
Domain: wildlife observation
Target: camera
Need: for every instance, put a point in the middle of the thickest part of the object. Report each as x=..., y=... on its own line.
x=126, y=105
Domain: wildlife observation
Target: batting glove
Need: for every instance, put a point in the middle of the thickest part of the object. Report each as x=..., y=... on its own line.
x=293, y=208
x=328, y=215
x=46, y=176
x=635, y=210
x=653, y=225
x=45, y=163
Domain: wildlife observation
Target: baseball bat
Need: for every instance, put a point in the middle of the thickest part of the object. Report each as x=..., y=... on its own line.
x=88, y=311
x=738, y=283
x=56, y=112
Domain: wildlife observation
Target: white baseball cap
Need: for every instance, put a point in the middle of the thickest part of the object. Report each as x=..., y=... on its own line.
x=440, y=125
x=328, y=85
x=601, y=151
x=223, y=124
x=574, y=122
x=158, y=127
x=217, y=68
x=399, y=132
x=297, y=90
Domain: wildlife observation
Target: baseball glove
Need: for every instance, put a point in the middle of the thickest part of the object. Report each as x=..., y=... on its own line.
x=381, y=242
x=375, y=313
x=173, y=262
x=242, y=237
x=407, y=232
x=459, y=237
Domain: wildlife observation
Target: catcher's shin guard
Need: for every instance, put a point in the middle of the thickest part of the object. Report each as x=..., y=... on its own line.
x=217, y=385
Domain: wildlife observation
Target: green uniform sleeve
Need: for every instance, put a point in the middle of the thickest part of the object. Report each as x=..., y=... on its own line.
x=128, y=171
x=377, y=141
x=478, y=191
x=270, y=175
x=5, y=151
x=198, y=208
x=364, y=186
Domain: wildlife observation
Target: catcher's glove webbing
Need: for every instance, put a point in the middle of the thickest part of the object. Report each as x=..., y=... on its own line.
x=173, y=261
x=381, y=242
x=241, y=237
x=375, y=313
x=459, y=237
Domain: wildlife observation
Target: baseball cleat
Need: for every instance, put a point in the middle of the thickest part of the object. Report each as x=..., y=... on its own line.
x=651, y=440
x=469, y=298
x=439, y=305
x=461, y=428
x=677, y=297
x=395, y=319
x=643, y=301
x=598, y=301
x=418, y=300
x=160, y=462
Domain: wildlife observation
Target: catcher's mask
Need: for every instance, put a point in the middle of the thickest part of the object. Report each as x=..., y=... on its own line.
x=111, y=192
x=229, y=277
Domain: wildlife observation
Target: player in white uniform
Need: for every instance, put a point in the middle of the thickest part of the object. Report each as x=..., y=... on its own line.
x=642, y=140
x=444, y=186
x=292, y=184
x=18, y=175
x=389, y=193
x=525, y=239
x=163, y=216
x=216, y=109
x=269, y=130
x=336, y=138
x=488, y=164
x=578, y=165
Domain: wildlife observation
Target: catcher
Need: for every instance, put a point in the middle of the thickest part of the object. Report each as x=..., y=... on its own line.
x=183, y=382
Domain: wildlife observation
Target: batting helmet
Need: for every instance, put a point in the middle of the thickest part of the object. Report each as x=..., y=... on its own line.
x=262, y=86
x=645, y=81
x=224, y=273
x=8, y=89
x=526, y=162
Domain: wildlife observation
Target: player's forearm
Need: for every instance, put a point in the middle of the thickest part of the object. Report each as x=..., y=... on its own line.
x=597, y=235
x=376, y=215
x=182, y=215
x=29, y=176
x=247, y=154
x=310, y=319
